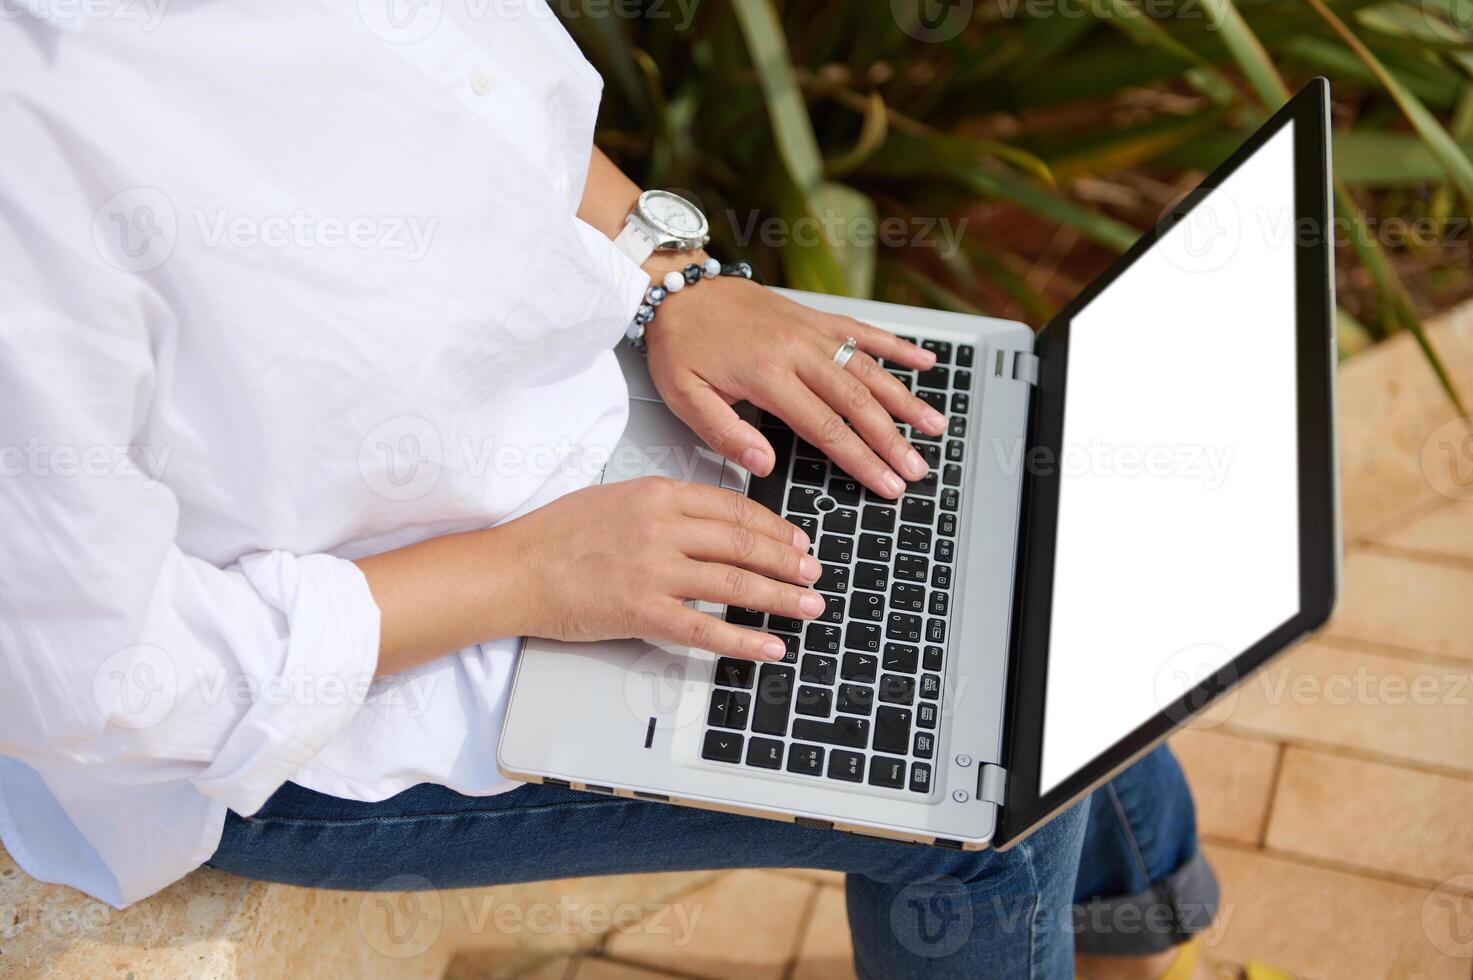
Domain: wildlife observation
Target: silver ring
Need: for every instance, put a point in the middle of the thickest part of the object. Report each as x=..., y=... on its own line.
x=846, y=350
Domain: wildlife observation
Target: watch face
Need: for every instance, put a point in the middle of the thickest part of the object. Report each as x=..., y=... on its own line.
x=673, y=214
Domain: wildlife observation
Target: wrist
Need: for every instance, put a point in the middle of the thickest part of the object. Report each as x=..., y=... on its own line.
x=661, y=264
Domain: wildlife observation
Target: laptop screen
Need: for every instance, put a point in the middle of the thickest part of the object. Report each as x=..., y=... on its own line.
x=1178, y=538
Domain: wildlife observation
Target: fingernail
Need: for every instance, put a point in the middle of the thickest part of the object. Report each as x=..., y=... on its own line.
x=916, y=464
x=752, y=459
x=930, y=357
x=893, y=484
x=809, y=568
x=800, y=540
x=811, y=604
x=773, y=648
x=933, y=420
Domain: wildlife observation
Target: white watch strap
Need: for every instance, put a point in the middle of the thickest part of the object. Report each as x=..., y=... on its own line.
x=635, y=242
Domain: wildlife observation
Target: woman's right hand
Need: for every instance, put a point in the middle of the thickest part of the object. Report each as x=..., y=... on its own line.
x=619, y=560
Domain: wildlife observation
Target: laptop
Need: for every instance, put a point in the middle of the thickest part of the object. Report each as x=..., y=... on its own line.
x=1127, y=515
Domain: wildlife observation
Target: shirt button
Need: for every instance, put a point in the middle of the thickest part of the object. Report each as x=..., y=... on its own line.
x=480, y=81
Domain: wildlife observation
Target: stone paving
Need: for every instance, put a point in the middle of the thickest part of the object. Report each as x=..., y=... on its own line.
x=1334, y=794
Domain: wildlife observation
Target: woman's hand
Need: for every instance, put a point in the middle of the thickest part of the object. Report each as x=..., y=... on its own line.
x=726, y=340
x=619, y=560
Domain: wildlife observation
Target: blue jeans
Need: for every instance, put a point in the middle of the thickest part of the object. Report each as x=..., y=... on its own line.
x=1118, y=873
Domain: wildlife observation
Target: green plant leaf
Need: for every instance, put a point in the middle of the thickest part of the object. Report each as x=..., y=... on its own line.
x=872, y=133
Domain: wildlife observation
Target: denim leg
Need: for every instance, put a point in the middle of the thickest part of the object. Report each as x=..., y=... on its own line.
x=1144, y=886
x=915, y=912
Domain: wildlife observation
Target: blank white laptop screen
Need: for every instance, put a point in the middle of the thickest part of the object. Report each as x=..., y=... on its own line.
x=1178, y=527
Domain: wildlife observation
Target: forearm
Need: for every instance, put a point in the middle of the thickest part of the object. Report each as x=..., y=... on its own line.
x=608, y=197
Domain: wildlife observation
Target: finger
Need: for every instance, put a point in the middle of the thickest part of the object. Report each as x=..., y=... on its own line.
x=812, y=418
x=894, y=396
x=733, y=544
x=720, y=504
x=733, y=586
x=851, y=397
x=883, y=343
x=699, y=406
x=681, y=624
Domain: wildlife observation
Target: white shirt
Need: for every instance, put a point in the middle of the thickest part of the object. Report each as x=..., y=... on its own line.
x=281, y=285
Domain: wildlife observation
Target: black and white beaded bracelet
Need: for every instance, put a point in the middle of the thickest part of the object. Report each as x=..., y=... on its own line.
x=673, y=283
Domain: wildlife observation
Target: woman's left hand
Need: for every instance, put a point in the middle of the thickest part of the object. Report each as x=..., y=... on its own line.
x=727, y=340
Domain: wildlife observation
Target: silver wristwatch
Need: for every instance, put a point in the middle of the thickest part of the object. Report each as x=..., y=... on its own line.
x=665, y=222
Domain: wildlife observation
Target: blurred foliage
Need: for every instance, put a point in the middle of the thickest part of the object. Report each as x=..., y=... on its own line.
x=993, y=156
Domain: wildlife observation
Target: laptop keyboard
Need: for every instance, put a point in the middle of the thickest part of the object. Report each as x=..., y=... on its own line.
x=858, y=697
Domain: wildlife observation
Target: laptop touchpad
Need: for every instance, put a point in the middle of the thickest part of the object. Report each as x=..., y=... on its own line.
x=656, y=443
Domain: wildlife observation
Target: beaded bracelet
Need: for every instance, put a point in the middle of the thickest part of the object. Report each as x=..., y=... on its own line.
x=674, y=282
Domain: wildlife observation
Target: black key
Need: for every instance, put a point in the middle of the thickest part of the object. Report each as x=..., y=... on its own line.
x=840, y=520
x=895, y=689
x=933, y=398
x=951, y=475
x=833, y=609
x=892, y=730
x=805, y=759
x=920, y=777
x=803, y=500
x=940, y=601
x=935, y=631
x=876, y=547
x=913, y=538
x=925, y=745
x=735, y=673
x=955, y=451
x=859, y=667
x=908, y=340
x=924, y=487
x=961, y=403
x=905, y=378
x=805, y=449
x=937, y=377
x=783, y=624
x=867, y=607
x=904, y=627
x=738, y=710
x=821, y=638
x=745, y=617
x=925, y=438
x=836, y=548
x=889, y=773
x=845, y=489
x=931, y=453
x=716, y=713
x=956, y=428
x=931, y=658
x=945, y=550
x=815, y=701
x=791, y=641
x=912, y=568
x=940, y=576
x=835, y=580
x=918, y=510
x=908, y=598
x=765, y=753
x=964, y=355
x=942, y=349
x=848, y=766
x=863, y=637
x=868, y=575
x=878, y=518
x=946, y=527
x=808, y=523
x=855, y=699
x=951, y=498
x=926, y=715
x=851, y=733
x=931, y=687
x=774, y=697
x=901, y=657
x=818, y=670
x=812, y=472
x=722, y=747
x=962, y=380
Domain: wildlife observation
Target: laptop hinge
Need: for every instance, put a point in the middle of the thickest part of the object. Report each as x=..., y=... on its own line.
x=992, y=784
x=1025, y=367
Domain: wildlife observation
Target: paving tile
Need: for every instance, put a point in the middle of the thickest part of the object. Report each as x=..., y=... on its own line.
x=1232, y=781
x=1379, y=817
x=598, y=968
x=1405, y=602
x=1448, y=530
x=1318, y=923
x=1392, y=707
x=826, y=953
x=715, y=931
